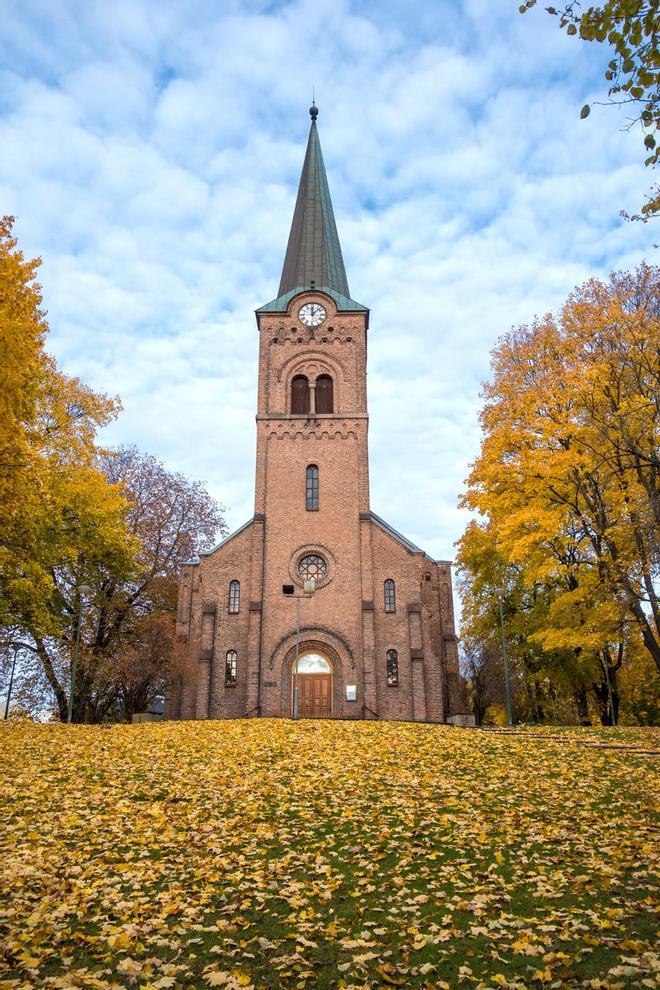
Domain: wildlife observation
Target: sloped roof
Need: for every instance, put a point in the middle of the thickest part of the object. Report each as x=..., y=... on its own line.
x=343, y=303
x=231, y=536
x=313, y=257
x=313, y=254
x=397, y=536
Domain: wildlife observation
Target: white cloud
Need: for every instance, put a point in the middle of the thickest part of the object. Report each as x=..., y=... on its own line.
x=151, y=154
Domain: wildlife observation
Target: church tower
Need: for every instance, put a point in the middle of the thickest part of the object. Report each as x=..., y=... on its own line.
x=376, y=639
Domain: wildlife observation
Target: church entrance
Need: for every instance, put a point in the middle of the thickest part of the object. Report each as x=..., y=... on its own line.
x=314, y=686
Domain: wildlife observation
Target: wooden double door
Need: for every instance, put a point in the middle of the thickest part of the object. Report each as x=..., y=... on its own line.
x=314, y=695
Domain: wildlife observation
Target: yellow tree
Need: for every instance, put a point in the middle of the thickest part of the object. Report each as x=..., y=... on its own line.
x=548, y=684
x=568, y=471
x=56, y=506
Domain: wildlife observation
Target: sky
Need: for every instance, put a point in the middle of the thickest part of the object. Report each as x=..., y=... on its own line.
x=151, y=154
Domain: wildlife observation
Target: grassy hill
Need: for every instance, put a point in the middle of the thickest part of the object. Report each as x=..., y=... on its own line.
x=325, y=854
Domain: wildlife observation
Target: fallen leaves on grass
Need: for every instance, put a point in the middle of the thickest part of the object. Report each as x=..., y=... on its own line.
x=268, y=854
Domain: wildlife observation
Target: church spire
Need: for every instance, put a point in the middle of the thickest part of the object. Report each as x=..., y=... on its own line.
x=313, y=255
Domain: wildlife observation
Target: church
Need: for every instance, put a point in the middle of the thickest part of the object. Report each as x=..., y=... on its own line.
x=316, y=607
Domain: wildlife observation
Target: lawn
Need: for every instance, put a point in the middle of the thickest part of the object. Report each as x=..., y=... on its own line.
x=326, y=854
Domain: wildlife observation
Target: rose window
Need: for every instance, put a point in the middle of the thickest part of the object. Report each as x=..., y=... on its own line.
x=312, y=567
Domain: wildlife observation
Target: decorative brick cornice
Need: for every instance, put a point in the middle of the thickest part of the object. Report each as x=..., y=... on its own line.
x=417, y=654
x=318, y=429
x=415, y=607
x=367, y=606
x=302, y=418
x=209, y=608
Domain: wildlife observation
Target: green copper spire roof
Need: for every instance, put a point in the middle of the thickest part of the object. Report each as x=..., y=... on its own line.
x=313, y=255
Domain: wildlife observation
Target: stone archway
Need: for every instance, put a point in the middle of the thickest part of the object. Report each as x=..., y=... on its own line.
x=313, y=640
x=313, y=683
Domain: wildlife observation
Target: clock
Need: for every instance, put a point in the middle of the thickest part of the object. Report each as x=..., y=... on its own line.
x=311, y=314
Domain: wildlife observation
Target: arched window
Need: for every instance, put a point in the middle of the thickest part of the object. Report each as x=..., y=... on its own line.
x=299, y=395
x=234, y=596
x=313, y=663
x=392, y=668
x=312, y=489
x=324, y=397
x=230, y=669
x=390, y=597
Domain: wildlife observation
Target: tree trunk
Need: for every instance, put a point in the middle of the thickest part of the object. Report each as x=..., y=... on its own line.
x=58, y=690
x=602, y=694
x=650, y=642
x=582, y=705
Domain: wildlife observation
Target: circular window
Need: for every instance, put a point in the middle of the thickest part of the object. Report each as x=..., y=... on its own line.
x=312, y=567
x=312, y=561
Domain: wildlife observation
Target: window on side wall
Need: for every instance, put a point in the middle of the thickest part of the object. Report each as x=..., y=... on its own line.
x=392, y=668
x=230, y=668
x=234, y=596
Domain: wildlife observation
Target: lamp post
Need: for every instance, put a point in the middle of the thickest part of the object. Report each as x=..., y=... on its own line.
x=309, y=587
x=84, y=589
x=15, y=648
x=500, y=592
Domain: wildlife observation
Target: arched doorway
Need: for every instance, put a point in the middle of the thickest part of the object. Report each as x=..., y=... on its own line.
x=314, y=686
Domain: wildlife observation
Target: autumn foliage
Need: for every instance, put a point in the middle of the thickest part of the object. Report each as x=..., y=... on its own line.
x=55, y=503
x=568, y=485
x=629, y=31
x=90, y=540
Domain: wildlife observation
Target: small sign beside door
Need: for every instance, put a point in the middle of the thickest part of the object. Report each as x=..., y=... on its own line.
x=351, y=692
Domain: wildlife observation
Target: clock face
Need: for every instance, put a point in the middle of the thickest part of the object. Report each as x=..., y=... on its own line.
x=311, y=314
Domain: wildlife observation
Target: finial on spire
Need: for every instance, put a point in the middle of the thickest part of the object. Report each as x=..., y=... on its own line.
x=313, y=110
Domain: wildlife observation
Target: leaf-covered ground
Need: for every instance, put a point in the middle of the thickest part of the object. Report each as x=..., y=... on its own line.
x=325, y=854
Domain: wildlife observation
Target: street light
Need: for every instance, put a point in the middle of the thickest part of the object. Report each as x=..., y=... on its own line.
x=84, y=589
x=500, y=592
x=309, y=587
x=15, y=647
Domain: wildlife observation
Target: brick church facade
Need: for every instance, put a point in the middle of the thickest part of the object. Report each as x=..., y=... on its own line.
x=376, y=639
